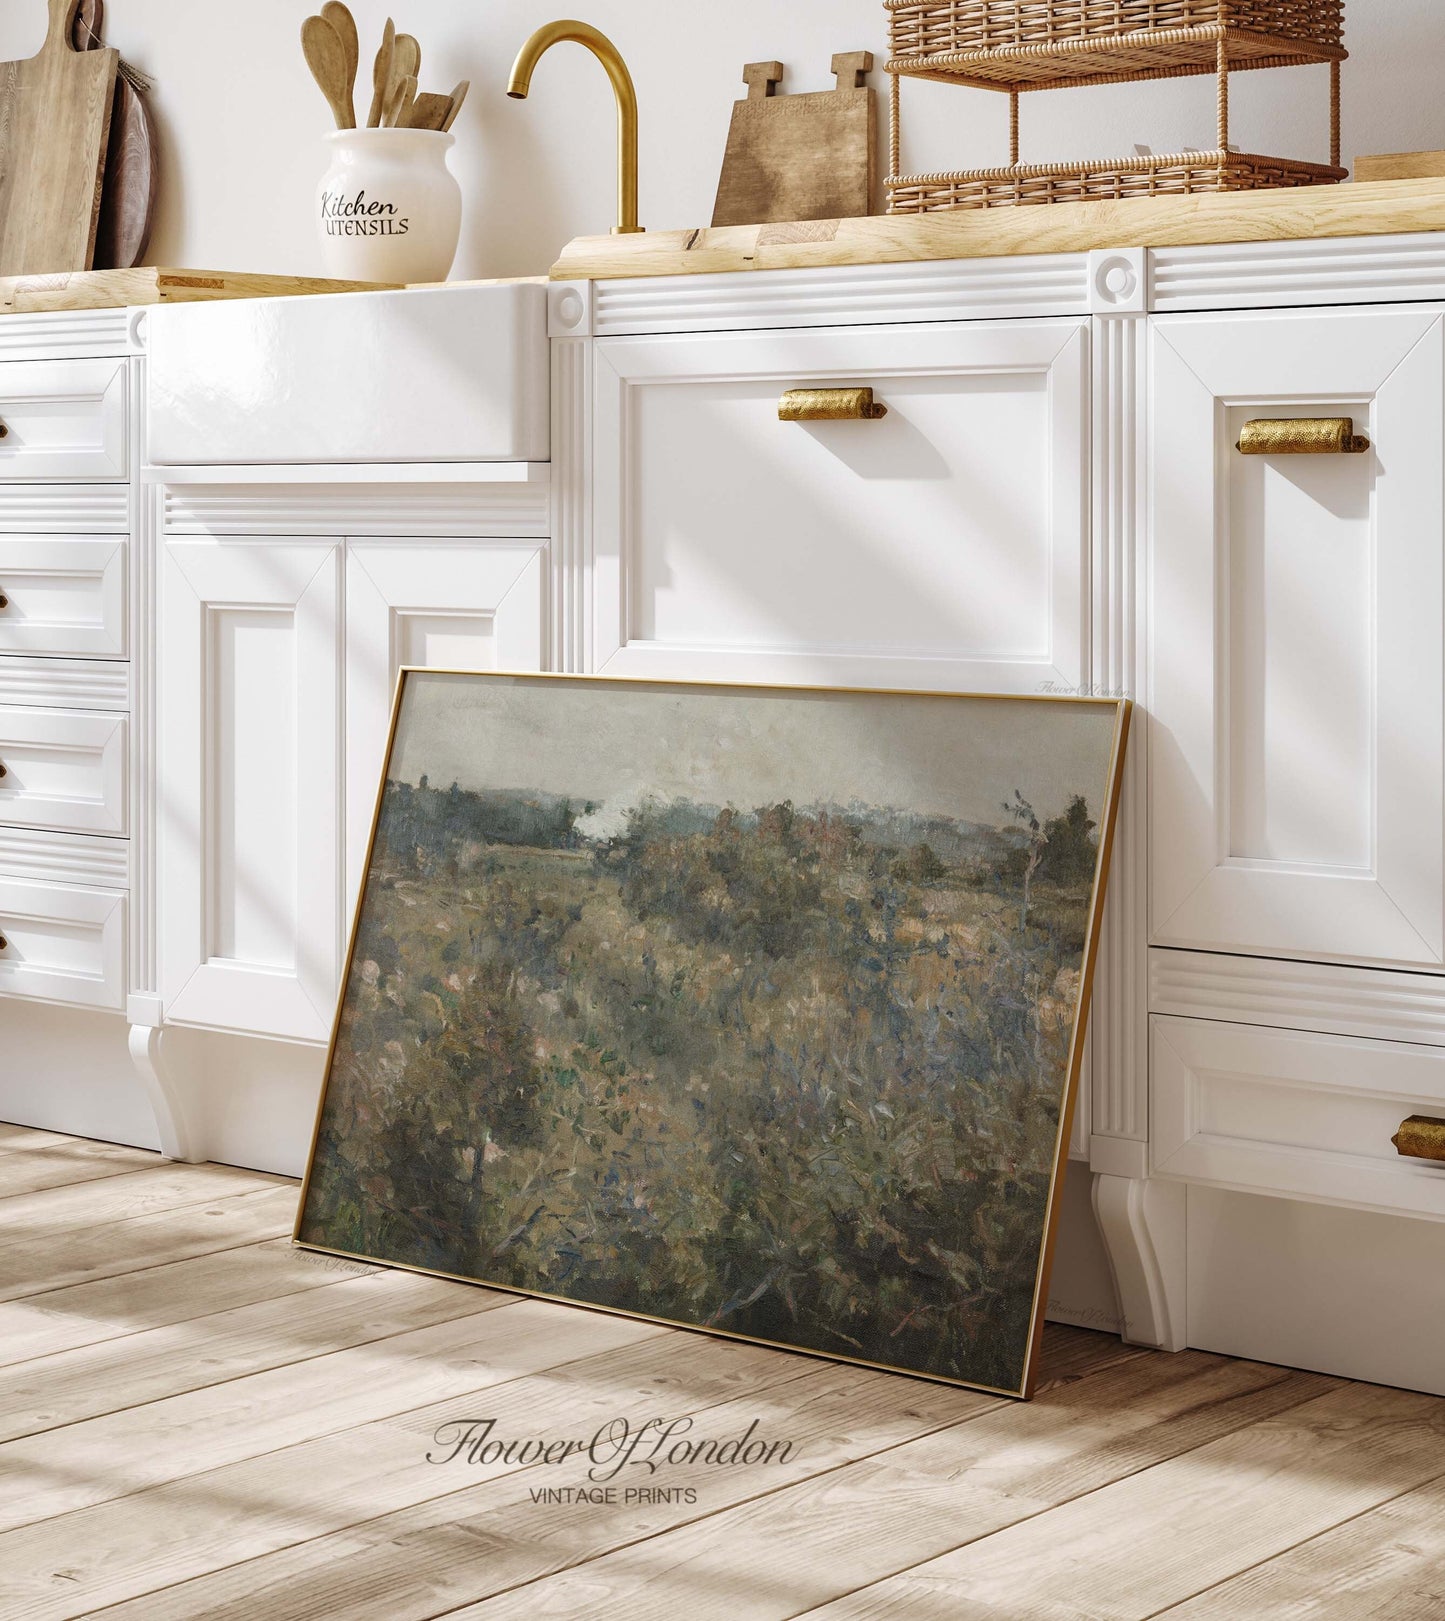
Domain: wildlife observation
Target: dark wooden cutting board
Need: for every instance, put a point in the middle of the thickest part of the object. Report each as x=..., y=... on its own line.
x=55, y=112
x=132, y=165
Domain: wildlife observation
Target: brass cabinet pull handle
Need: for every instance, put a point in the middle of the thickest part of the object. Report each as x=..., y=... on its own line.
x=830, y=405
x=4, y=769
x=1421, y=1137
x=4, y=431
x=1302, y=436
x=4, y=943
x=4, y=602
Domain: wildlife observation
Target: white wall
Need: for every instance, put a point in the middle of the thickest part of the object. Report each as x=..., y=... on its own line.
x=242, y=120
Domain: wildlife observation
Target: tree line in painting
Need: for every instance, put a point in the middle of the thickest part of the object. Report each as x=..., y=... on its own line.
x=794, y=1073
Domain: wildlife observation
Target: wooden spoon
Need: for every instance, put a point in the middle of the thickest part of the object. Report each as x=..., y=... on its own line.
x=381, y=76
x=406, y=62
x=344, y=23
x=459, y=95
x=326, y=57
x=399, y=108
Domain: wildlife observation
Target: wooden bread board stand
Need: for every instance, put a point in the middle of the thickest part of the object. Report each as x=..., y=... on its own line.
x=119, y=289
x=802, y=157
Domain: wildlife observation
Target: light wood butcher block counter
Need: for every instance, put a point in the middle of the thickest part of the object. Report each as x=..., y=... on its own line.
x=122, y=289
x=1385, y=208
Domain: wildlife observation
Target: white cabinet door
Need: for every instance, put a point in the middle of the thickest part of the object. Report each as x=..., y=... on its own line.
x=1296, y=646
x=473, y=605
x=943, y=545
x=250, y=857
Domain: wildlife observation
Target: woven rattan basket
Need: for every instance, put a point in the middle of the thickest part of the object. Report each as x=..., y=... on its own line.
x=1019, y=45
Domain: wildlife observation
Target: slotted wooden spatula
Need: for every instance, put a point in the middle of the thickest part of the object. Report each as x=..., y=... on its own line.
x=55, y=113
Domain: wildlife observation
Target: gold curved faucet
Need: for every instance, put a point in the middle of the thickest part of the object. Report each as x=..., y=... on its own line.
x=611, y=58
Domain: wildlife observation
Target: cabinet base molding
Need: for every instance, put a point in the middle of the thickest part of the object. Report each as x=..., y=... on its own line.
x=1143, y=1228
x=147, y=1051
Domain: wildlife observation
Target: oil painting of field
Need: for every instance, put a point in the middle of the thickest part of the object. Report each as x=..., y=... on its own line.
x=750, y=1009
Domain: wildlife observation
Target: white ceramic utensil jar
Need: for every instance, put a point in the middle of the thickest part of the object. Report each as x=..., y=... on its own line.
x=390, y=209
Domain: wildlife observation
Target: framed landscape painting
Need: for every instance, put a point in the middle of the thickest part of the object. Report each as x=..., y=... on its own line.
x=755, y=1010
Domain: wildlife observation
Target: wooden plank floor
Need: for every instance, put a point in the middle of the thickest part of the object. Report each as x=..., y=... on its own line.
x=197, y=1420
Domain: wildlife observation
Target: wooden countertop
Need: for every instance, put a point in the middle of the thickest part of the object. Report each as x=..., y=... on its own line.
x=118, y=289
x=1384, y=208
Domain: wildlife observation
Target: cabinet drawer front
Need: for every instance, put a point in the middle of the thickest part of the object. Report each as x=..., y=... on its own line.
x=64, y=597
x=1297, y=772
x=63, y=770
x=62, y=943
x=65, y=419
x=942, y=545
x=445, y=375
x=1280, y=1111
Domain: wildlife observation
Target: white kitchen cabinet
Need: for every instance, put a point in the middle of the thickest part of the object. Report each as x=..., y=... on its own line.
x=250, y=785
x=472, y=605
x=63, y=596
x=64, y=770
x=62, y=943
x=944, y=545
x=64, y=419
x=1298, y=666
x=1053, y=501
x=1310, y=1114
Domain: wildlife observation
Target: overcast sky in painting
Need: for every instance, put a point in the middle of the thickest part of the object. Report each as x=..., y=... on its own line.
x=621, y=743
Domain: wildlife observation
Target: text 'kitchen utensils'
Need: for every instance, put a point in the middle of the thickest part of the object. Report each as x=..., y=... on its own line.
x=332, y=48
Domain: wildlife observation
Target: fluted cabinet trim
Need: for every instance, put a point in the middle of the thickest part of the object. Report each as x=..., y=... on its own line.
x=866, y=295
x=1119, y=1040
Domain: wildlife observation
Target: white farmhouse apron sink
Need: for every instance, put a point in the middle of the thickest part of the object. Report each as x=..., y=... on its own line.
x=451, y=374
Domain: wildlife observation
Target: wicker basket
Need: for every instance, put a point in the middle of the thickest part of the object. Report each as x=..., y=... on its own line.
x=1049, y=42
x=1020, y=45
x=1178, y=175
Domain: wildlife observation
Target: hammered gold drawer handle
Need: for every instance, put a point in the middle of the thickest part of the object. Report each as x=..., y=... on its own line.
x=1421, y=1137
x=1302, y=436
x=830, y=405
x=4, y=431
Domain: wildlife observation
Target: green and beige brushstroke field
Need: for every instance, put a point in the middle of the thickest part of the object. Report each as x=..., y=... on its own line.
x=792, y=1069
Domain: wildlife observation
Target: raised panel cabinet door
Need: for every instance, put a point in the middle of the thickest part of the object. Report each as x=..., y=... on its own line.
x=1296, y=655
x=943, y=545
x=469, y=605
x=64, y=419
x=250, y=817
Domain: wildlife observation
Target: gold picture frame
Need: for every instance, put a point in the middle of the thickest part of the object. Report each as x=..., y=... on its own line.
x=1106, y=783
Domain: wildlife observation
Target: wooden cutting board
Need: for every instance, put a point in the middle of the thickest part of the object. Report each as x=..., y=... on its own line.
x=55, y=112
x=811, y=157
